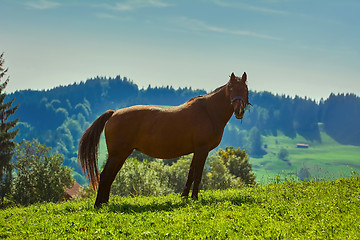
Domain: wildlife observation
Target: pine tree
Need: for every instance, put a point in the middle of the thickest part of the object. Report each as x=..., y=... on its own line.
x=7, y=143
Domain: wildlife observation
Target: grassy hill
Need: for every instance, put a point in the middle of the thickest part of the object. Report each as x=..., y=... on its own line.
x=311, y=210
x=326, y=159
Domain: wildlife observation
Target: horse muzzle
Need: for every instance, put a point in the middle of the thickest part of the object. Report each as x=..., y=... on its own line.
x=239, y=107
x=239, y=113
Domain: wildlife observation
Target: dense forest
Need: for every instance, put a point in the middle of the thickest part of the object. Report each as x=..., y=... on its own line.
x=58, y=117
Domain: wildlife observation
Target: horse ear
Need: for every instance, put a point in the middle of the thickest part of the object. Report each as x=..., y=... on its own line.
x=232, y=77
x=244, y=77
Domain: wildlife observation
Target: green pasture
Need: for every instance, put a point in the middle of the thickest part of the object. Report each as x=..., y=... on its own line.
x=324, y=160
x=290, y=210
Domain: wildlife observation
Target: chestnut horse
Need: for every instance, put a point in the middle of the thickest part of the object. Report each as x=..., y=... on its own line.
x=195, y=127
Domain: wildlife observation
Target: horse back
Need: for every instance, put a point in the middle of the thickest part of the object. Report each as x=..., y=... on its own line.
x=162, y=132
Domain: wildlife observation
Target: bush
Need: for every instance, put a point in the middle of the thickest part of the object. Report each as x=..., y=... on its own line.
x=220, y=177
x=283, y=154
x=237, y=162
x=40, y=176
x=229, y=168
x=140, y=178
x=178, y=173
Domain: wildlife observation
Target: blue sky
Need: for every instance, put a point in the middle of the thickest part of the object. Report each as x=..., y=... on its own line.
x=293, y=47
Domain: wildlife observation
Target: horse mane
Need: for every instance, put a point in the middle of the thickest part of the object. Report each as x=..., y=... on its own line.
x=217, y=90
x=206, y=95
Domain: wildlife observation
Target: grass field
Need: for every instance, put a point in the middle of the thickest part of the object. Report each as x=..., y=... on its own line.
x=291, y=210
x=328, y=159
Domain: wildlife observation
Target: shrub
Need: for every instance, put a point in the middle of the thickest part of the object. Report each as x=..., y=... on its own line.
x=140, y=178
x=229, y=168
x=40, y=176
x=237, y=162
x=219, y=176
x=283, y=154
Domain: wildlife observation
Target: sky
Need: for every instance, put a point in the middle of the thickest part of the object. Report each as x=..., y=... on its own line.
x=293, y=47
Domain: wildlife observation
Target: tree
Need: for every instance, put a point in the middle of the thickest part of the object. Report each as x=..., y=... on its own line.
x=220, y=177
x=283, y=154
x=40, y=175
x=237, y=162
x=7, y=136
x=341, y=116
x=255, y=142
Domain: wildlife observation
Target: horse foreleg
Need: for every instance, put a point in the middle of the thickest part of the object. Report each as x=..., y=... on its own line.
x=199, y=163
x=189, y=181
x=107, y=176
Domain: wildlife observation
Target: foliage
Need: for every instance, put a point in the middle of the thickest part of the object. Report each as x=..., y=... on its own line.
x=341, y=116
x=140, y=178
x=40, y=176
x=237, y=162
x=304, y=174
x=178, y=173
x=290, y=210
x=283, y=154
x=255, y=142
x=7, y=136
x=151, y=178
x=229, y=168
x=219, y=176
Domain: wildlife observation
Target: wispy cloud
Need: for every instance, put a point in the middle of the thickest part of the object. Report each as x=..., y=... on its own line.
x=197, y=25
x=42, y=4
x=110, y=16
x=244, y=6
x=130, y=5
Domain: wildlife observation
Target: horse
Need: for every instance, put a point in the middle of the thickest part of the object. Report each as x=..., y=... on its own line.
x=194, y=127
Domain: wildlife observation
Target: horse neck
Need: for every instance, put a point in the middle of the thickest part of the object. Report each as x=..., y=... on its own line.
x=219, y=106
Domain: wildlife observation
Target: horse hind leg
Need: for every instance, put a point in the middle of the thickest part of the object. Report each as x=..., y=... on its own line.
x=107, y=176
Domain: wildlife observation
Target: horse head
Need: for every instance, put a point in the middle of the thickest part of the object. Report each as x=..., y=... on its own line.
x=238, y=94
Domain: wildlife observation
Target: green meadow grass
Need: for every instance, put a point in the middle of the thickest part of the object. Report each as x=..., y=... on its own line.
x=325, y=159
x=290, y=210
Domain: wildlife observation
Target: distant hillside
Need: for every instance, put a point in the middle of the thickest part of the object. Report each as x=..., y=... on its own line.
x=59, y=116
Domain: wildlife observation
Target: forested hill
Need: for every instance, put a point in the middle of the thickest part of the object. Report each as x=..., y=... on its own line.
x=59, y=116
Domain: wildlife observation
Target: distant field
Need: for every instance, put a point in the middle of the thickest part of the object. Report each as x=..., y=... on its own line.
x=327, y=159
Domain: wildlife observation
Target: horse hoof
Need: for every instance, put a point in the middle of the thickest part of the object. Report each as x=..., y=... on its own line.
x=184, y=195
x=99, y=205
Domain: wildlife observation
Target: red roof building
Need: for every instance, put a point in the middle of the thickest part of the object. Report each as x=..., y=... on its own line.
x=72, y=192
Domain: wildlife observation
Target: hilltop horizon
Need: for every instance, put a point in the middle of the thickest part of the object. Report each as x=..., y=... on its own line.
x=176, y=88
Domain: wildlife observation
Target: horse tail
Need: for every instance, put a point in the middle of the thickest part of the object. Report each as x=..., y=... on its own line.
x=89, y=148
